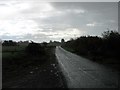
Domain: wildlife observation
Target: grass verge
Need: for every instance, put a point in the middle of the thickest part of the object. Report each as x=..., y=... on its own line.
x=23, y=71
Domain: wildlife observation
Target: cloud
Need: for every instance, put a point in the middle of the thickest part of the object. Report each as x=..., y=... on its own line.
x=10, y=9
x=43, y=21
x=77, y=11
x=18, y=27
x=69, y=32
x=90, y=24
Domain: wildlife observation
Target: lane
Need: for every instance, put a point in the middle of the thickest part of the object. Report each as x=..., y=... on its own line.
x=83, y=73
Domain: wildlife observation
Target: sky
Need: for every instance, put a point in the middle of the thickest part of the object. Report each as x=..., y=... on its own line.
x=45, y=21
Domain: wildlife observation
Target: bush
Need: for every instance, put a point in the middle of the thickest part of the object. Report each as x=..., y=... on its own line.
x=111, y=43
x=35, y=49
x=107, y=46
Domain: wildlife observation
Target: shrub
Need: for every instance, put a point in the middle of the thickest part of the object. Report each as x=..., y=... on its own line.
x=107, y=46
x=35, y=49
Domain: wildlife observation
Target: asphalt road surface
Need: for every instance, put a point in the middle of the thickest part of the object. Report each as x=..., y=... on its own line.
x=82, y=73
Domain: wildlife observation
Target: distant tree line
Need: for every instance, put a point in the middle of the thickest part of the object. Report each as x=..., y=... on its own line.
x=9, y=43
x=96, y=47
x=14, y=43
